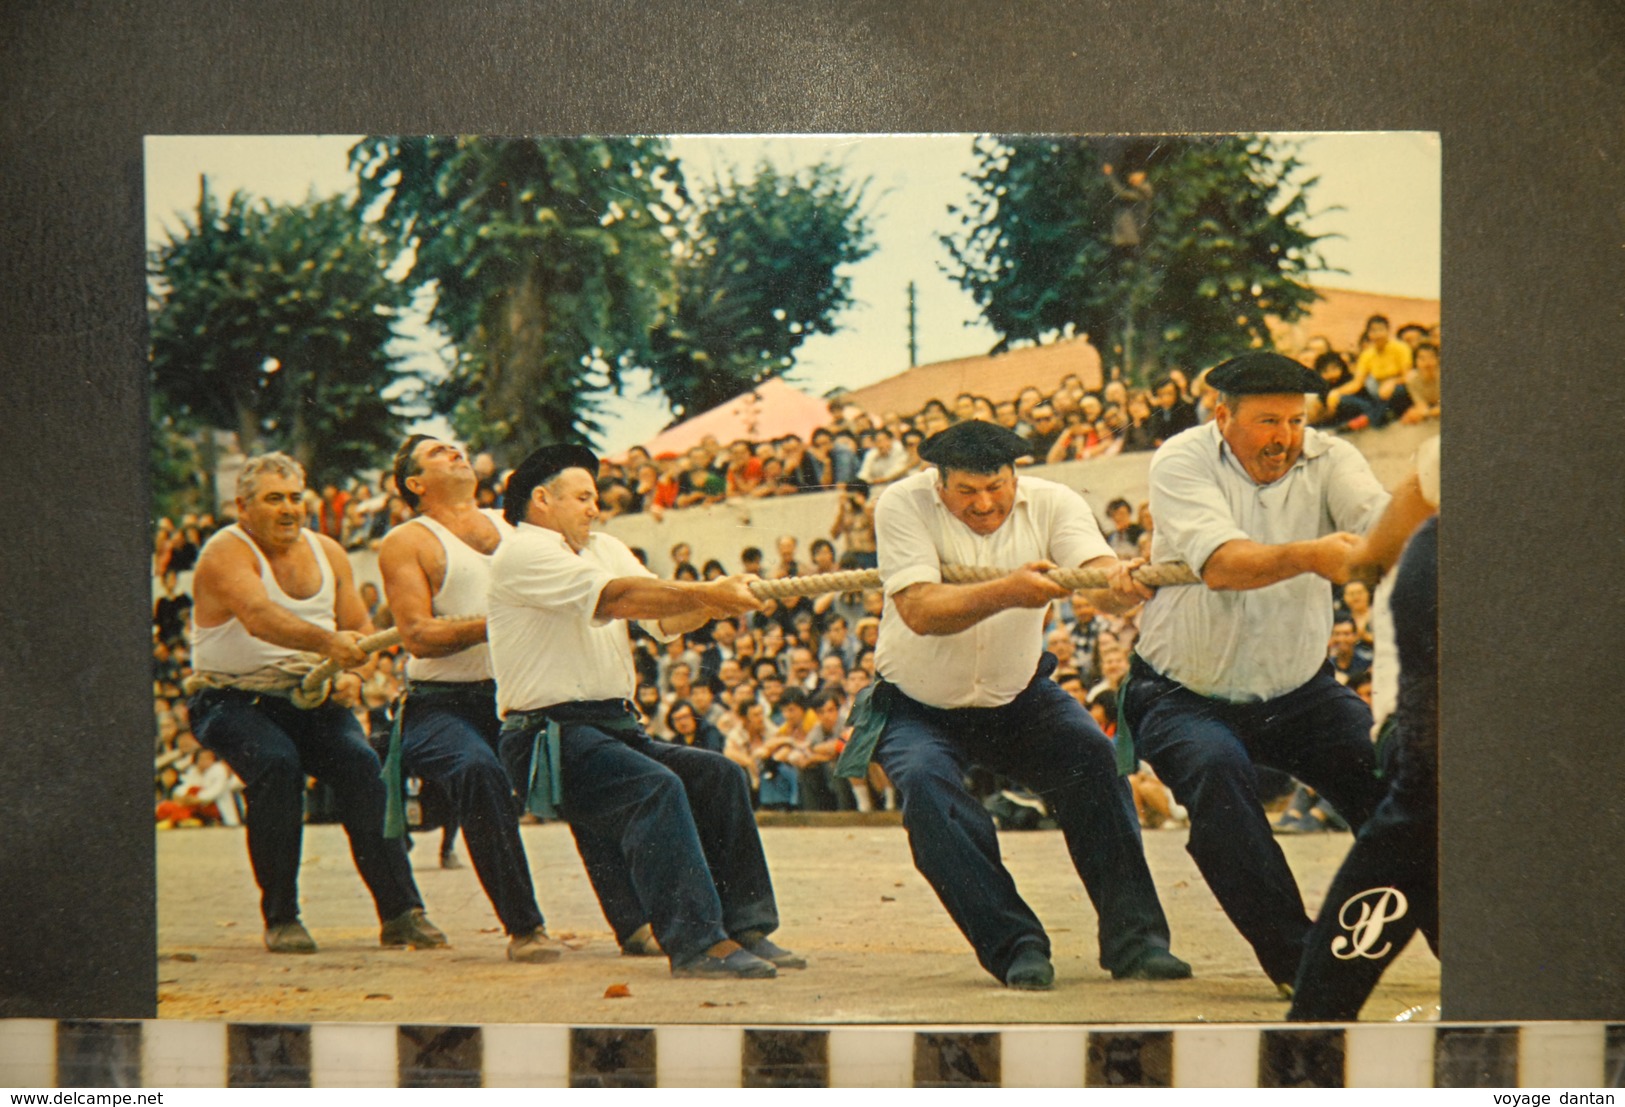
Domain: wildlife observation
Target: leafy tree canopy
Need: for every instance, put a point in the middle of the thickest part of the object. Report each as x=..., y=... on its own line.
x=760, y=269
x=551, y=261
x=275, y=321
x=1212, y=244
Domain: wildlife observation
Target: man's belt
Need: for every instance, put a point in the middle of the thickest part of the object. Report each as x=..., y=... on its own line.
x=543, y=787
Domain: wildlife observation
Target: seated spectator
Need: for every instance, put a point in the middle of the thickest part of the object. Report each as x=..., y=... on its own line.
x=1423, y=385
x=172, y=611
x=837, y=641
x=205, y=793
x=706, y=701
x=744, y=470
x=1174, y=412
x=1124, y=537
x=690, y=728
x=805, y=470
x=1047, y=429
x=648, y=702
x=911, y=440
x=1076, y=442
x=831, y=672
x=854, y=524
x=1349, y=656
x=1356, y=607
x=1346, y=403
x=713, y=570
x=886, y=461
x=1005, y=415
x=698, y=482
x=1383, y=365
x=821, y=789
x=1139, y=435
x=750, y=560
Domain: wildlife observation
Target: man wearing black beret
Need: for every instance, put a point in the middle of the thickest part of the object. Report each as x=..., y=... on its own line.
x=1235, y=673
x=680, y=816
x=964, y=680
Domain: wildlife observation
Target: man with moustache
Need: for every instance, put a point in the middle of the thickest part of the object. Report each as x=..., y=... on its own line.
x=1235, y=673
x=436, y=570
x=267, y=589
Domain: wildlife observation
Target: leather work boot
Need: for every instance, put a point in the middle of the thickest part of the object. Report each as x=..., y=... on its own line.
x=289, y=938
x=411, y=928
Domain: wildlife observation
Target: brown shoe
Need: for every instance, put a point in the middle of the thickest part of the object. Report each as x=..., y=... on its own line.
x=534, y=948
x=289, y=938
x=412, y=928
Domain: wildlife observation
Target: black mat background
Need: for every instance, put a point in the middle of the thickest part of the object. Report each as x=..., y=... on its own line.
x=1527, y=98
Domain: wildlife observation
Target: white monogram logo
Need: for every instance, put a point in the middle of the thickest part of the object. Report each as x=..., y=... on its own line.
x=1364, y=916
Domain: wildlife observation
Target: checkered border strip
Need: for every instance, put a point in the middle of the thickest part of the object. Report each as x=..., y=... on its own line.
x=164, y=1053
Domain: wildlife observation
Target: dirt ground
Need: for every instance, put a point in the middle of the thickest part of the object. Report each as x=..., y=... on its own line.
x=882, y=950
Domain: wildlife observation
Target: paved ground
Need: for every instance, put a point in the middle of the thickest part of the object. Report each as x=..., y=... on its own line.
x=882, y=949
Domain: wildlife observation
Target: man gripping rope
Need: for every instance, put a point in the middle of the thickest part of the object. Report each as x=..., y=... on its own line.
x=436, y=570
x=571, y=741
x=265, y=590
x=1235, y=673
x=965, y=680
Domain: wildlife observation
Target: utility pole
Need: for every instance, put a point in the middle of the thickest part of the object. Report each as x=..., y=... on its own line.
x=913, y=330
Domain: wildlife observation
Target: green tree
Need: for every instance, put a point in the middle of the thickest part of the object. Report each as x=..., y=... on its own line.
x=1220, y=245
x=551, y=261
x=759, y=270
x=275, y=322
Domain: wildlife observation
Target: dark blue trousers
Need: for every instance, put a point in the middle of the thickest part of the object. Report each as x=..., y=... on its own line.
x=1386, y=890
x=273, y=745
x=682, y=822
x=1388, y=886
x=1046, y=741
x=451, y=739
x=1204, y=750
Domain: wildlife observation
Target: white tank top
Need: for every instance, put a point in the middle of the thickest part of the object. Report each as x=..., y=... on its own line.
x=229, y=648
x=462, y=592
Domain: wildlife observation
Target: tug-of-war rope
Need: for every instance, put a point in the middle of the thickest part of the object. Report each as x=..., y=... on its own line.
x=307, y=678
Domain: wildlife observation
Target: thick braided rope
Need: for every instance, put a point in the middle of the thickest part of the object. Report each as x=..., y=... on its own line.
x=1160, y=575
x=306, y=678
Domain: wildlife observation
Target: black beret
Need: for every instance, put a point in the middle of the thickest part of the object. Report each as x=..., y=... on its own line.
x=539, y=468
x=1264, y=371
x=974, y=447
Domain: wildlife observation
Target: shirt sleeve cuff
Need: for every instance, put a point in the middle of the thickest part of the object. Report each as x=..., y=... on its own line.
x=1204, y=545
x=914, y=574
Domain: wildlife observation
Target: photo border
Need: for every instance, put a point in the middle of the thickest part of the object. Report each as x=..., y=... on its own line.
x=1531, y=232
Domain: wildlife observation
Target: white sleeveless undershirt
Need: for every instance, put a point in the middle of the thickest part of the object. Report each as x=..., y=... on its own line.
x=229, y=648
x=463, y=592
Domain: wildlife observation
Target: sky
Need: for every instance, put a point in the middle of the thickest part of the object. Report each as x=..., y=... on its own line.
x=1377, y=193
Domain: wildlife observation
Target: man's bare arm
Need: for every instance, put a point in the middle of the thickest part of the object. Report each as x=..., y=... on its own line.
x=227, y=585
x=673, y=602
x=405, y=561
x=1242, y=564
x=1380, y=549
x=929, y=608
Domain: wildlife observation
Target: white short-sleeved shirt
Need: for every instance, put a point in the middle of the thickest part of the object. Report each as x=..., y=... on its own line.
x=989, y=664
x=547, y=647
x=1262, y=643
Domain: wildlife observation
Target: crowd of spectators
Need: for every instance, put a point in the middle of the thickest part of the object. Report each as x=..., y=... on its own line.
x=1376, y=379
x=772, y=690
